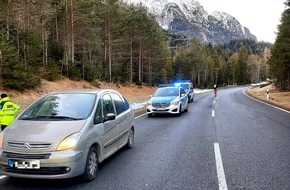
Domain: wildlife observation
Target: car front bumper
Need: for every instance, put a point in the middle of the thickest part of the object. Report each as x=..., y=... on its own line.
x=172, y=109
x=58, y=165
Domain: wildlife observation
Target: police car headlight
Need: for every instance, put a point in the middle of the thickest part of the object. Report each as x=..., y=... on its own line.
x=149, y=103
x=69, y=142
x=1, y=140
x=175, y=103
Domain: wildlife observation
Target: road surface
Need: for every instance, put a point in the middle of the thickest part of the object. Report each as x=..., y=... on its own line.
x=228, y=142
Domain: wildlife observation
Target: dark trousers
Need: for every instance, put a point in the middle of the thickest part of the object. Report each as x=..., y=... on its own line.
x=3, y=127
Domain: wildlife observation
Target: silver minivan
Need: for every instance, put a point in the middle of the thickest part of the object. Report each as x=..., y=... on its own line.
x=66, y=134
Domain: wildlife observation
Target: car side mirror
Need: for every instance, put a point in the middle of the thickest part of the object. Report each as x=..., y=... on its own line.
x=109, y=117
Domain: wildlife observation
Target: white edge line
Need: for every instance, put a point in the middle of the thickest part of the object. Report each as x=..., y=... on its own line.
x=266, y=103
x=3, y=176
x=219, y=167
x=140, y=116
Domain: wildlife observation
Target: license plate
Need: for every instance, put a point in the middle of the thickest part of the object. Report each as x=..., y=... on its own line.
x=24, y=164
x=161, y=109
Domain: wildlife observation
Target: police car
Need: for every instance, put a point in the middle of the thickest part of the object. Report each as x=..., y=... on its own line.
x=187, y=86
x=168, y=100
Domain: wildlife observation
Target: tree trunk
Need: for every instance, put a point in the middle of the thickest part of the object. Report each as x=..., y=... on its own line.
x=140, y=60
x=7, y=29
x=43, y=41
x=288, y=78
x=131, y=56
x=150, y=72
x=72, y=32
x=56, y=30
x=198, y=78
x=110, y=53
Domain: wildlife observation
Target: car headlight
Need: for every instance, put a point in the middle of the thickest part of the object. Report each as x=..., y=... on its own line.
x=1, y=139
x=175, y=103
x=69, y=142
x=149, y=103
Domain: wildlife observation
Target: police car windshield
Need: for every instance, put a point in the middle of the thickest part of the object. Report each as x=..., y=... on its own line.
x=61, y=107
x=163, y=92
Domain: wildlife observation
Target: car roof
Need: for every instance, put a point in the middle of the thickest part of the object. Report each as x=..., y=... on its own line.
x=170, y=87
x=83, y=91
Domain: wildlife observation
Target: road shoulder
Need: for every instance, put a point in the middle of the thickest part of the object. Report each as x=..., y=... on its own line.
x=275, y=98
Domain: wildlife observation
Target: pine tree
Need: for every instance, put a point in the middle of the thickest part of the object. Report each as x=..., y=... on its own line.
x=280, y=59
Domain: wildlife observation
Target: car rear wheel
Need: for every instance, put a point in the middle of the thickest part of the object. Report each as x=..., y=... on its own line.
x=92, y=164
x=130, y=142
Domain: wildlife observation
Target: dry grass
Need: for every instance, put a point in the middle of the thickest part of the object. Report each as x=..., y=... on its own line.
x=280, y=99
x=133, y=93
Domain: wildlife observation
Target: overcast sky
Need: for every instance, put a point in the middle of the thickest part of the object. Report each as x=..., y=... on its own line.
x=261, y=16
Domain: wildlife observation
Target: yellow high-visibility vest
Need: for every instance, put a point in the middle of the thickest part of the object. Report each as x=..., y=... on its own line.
x=7, y=112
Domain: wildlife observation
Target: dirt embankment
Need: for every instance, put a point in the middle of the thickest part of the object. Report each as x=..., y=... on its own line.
x=133, y=93
x=277, y=98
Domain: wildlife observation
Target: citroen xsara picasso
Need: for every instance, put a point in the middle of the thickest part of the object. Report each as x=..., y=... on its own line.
x=67, y=134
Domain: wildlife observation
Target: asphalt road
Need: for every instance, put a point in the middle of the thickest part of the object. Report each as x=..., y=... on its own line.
x=228, y=142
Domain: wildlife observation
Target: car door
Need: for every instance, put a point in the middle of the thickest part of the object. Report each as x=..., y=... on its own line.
x=111, y=132
x=124, y=118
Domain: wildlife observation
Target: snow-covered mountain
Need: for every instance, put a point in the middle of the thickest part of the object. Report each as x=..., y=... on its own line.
x=189, y=18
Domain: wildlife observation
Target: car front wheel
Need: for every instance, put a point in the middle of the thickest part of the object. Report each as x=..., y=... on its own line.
x=130, y=142
x=92, y=164
x=179, y=112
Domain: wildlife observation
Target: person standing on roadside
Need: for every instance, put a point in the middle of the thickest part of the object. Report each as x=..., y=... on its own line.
x=8, y=110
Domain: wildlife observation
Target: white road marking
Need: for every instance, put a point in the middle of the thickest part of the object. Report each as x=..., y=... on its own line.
x=214, y=102
x=212, y=113
x=141, y=116
x=2, y=177
x=219, y=167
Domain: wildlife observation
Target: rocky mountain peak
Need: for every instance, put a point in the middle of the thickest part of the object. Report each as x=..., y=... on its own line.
x=189, y=18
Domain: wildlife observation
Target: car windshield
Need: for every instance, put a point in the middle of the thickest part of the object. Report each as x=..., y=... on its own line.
x=61, y=107
x=163, y=92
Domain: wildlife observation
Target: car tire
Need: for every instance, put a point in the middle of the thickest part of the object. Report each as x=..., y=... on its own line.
x=92, y=165
x=131, y=136
x=149, y=114
x=179, y=111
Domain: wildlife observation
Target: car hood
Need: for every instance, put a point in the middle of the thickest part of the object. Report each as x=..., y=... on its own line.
x=42, y=131
x=166, y=99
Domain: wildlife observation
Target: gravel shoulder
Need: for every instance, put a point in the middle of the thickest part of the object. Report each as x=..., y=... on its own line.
x=276, y=98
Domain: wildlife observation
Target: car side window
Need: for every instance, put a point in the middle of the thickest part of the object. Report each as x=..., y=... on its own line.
x=98, y=116
x=182, y=91
x=127, y=105
x=108, y=106
x=119, y=103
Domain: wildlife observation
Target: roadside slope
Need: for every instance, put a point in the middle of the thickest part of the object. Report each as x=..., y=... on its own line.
x=276, y=98
x=133, y=93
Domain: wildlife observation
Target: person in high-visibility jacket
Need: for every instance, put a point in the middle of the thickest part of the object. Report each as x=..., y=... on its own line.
x=8, y=110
